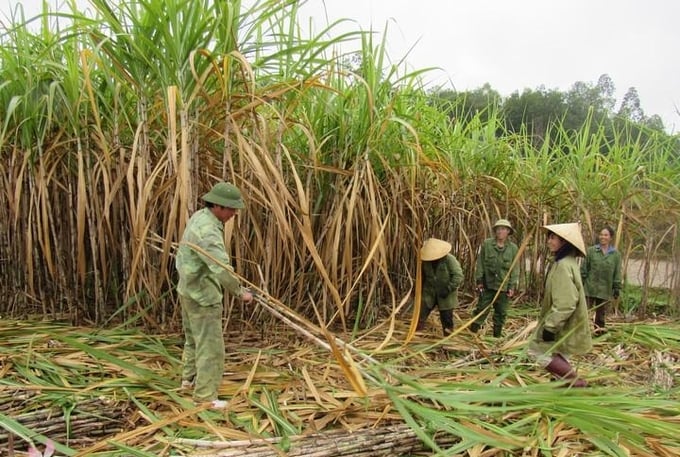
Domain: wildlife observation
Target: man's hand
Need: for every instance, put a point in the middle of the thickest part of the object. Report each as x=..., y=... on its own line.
x=511, y=293
x=247, y=296
x=480, y=287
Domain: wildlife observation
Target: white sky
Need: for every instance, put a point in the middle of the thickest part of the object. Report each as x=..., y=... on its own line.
x=517, y=44
x=527, y=43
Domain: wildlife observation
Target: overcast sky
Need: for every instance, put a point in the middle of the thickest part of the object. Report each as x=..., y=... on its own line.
x=527, y=43
x=521, y=44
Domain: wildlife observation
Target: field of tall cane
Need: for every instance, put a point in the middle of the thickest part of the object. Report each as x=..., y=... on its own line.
x=113, y=125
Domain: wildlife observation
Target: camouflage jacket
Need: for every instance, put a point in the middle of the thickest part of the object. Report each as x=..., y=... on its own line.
x=201, y=274
x=493, y=265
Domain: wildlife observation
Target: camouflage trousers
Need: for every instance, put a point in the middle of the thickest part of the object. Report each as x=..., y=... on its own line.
x=203, y=356
x=500, y=310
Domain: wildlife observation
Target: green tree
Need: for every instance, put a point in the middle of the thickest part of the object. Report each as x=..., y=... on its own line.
x=655, y=122
x=534, y=110
x=631, y=108
x=606, y=88
x=464, y=106
x=586, y=103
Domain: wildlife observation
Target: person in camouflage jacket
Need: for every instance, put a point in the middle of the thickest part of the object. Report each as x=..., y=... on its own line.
x=496, y=277
x=205, y=271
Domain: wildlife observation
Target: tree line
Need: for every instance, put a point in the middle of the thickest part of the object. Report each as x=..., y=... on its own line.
x=586, y=106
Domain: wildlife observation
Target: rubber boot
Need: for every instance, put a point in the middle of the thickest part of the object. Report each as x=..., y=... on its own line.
x=497, y=331
x=560, y=367
x=474, y=327
x=446, y=316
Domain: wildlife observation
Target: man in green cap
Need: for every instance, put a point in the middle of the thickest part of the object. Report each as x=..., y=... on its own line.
x=495, y=280
x=204, y=272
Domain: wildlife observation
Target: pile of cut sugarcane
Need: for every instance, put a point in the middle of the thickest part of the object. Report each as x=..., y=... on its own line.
x=115, y=392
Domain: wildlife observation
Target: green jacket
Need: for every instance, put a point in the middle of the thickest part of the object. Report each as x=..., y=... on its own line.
x=493, y=264
x=601, y=272
x=564, y=311
x=441, y=279
x=200, y=277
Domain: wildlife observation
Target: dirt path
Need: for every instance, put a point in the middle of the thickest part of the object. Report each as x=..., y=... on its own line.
x=661, y=273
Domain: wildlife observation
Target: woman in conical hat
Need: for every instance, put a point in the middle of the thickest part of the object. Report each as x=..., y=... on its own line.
x=563, y=324
x=441, y=276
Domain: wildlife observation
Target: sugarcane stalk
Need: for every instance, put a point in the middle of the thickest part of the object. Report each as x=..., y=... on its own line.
x=88, y=419
x=385, y=441
x=287, y=315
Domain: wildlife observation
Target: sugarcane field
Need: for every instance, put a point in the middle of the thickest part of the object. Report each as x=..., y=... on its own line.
x=226, y=234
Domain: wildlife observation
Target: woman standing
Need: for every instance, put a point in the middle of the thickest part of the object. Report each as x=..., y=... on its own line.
x=441, y=276
x=563, y=325
x=601, y=274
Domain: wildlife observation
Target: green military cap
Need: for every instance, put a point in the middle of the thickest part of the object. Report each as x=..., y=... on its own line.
x=225, y=194
x=503, y=223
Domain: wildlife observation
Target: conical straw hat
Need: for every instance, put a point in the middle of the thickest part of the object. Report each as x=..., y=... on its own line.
x=434, y=249
x=570, y=232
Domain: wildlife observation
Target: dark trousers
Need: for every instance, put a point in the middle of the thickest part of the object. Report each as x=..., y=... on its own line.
x=445, y=316
x=600, y=307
